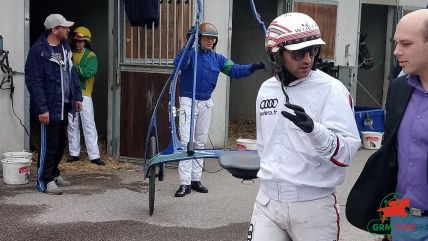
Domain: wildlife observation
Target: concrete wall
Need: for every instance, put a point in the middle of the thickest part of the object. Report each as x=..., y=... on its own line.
x=248, y=47
x=347, y=32
x=12, y=25
x=237, y=97
x=413, y=3
x=93, y=15
x=405, y=3
x=217, y=13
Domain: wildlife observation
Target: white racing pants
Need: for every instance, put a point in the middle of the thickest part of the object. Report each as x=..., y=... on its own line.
x=86, y=115
x=315, y=220
x=191, y=170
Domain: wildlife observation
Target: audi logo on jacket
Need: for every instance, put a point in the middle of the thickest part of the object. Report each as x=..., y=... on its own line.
x=268, y=103
x=309, y=165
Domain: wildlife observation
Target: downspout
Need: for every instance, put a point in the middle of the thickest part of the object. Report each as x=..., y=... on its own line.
x=27, y=114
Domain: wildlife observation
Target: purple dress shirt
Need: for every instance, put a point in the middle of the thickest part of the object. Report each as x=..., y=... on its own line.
x=412, y=147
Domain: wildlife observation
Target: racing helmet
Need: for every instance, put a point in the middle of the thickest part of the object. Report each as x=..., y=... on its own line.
x=208, y=29
x=82, y=33
x=291, y=31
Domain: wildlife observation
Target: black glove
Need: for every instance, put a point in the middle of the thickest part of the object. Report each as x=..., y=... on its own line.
x=257, y=66
x=300, y=119
x=191, y=31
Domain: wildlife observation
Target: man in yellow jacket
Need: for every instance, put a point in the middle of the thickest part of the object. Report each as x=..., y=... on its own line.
x=85, y=62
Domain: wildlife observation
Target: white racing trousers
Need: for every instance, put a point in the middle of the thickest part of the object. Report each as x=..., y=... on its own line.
x=86, y=115
x=191, y=170
x=275, y=220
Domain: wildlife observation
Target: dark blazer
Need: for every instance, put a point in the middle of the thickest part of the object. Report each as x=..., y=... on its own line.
x=379, y=176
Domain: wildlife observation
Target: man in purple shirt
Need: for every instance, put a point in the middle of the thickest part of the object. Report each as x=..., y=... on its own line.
x=400, y=166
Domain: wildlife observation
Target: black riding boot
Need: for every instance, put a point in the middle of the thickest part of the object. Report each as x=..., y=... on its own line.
x=183, y=190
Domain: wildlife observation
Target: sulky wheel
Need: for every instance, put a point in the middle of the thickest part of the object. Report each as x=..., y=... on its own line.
x=152, y=176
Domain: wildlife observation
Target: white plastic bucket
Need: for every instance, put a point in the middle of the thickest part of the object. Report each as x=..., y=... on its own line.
x=18, y=154
x=16, y=167
x=372, y=140
x=16, y=170
x=246, y=144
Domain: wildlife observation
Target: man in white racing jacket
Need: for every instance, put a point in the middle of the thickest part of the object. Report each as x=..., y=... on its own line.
x=306, y=137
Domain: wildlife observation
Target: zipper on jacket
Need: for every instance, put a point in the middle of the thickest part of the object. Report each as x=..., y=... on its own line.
x=62, y=93
x=63, y=68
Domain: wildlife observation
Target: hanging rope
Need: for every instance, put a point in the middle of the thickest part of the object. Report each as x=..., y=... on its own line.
x=257, y=16
x=7, y=71
x=8, y=79
x=191, y=143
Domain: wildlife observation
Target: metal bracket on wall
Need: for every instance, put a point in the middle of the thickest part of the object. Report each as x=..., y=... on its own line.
x=345, y=76
x=288, y=6
x=117, y=78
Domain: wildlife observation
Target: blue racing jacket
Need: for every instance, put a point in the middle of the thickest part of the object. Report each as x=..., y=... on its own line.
x=210, y=64
x=44, y=80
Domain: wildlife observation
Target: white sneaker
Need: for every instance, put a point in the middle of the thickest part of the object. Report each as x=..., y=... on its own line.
x=52, y=188
x=61, y=182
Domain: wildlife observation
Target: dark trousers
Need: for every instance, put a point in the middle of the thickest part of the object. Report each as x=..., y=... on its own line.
x=52, y=141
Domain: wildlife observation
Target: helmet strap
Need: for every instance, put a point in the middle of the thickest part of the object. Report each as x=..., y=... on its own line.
x=285, y=77
x=273, y=59
x=283, y=74
x=317, y=56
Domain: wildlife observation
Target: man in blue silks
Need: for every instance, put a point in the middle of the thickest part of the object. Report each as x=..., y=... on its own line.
x=209, y=66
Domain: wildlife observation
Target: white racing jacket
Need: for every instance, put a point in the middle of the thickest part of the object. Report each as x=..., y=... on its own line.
x=294, y=165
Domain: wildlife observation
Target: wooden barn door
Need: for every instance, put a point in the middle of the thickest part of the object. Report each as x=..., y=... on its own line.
x=139, y=93
x=325, y=15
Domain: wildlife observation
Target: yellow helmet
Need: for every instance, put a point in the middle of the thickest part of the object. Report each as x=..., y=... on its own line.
x=82, y=33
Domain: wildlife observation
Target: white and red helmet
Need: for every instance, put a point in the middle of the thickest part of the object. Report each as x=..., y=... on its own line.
x=292, y=31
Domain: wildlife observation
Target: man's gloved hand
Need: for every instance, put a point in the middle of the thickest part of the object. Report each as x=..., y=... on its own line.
x=257, y=66
x=300, y=119
x=191, y=31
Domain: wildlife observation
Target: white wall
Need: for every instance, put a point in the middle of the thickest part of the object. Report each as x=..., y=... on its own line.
x=347, y=32
x=405, y=3
x=217, y=13
x=12, y=28
x=413, y=3
x=248, y=46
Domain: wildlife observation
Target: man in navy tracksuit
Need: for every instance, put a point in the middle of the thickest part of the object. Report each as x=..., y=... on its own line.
x=209, y=66
x=54, y=91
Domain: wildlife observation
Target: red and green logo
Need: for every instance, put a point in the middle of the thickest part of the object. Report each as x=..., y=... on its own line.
x=392, y=205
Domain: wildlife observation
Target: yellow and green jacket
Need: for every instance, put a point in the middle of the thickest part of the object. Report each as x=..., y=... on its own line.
x=86, y=64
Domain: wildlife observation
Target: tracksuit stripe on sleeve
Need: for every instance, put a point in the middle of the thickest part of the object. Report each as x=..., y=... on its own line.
x=41, y=183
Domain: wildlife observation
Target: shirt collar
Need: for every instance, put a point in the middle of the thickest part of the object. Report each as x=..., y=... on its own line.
x=415, y=82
